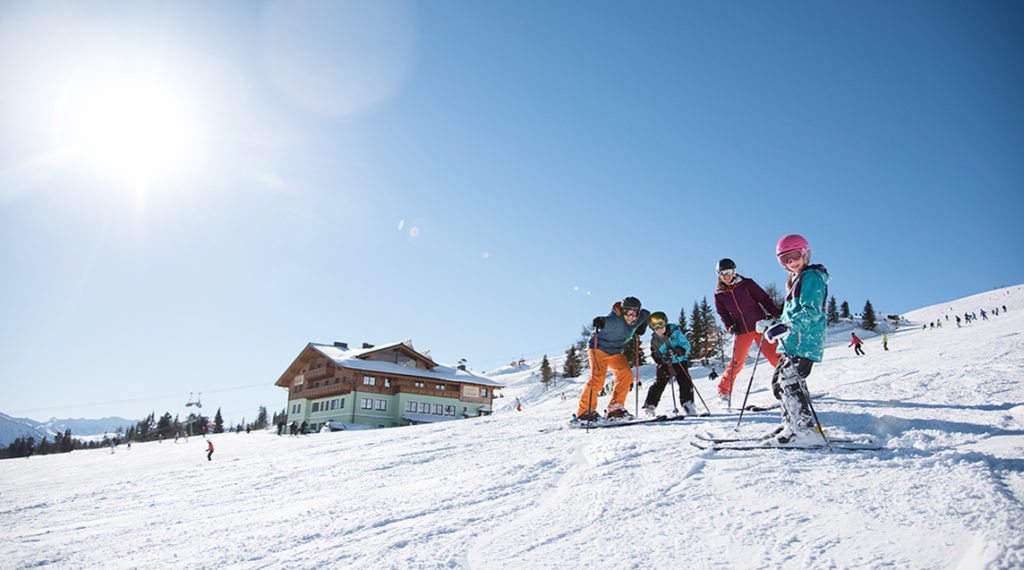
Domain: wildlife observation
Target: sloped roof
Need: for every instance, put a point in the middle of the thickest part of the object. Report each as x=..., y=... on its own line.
x=353, y=359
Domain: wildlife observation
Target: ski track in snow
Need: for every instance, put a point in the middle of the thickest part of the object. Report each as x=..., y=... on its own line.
x=946, y=492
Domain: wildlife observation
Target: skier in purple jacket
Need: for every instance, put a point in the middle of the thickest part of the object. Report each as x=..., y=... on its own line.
x=742, y=304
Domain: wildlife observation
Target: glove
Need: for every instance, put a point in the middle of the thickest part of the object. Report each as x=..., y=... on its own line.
x=642, y=330
x=763, y=324
x=678, y=351
x=777, y=332
x=598, y=323
x=731, y=329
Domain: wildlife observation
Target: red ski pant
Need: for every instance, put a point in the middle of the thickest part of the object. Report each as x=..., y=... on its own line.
x=600, y=362
x=740, y=349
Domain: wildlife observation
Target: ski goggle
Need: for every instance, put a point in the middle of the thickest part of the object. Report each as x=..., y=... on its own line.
x=727, y=272
x=657, y=323
x=790, y=256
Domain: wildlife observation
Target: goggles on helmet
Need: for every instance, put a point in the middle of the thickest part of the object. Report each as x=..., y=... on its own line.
x=727, y=272
x=788, y=257
x=657, y=323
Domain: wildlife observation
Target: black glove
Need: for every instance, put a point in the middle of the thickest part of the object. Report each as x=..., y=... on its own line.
x=642, y=330
x=598, y=323
x=678, y=350
x=731, y=329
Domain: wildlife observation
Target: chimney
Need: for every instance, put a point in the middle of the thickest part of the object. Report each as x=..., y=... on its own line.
x=367, y=345
x=462, y=367
x=342, y=345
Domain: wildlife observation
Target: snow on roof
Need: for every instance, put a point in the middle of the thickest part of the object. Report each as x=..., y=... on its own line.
x=349, y=358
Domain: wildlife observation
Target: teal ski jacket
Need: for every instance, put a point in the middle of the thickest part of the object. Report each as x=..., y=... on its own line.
x=671, y=347
x=804, y=312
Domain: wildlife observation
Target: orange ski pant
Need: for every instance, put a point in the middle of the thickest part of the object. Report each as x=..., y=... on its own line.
x=740, y=349
x=600, y=362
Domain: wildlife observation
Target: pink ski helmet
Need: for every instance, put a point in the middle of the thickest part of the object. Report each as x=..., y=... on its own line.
x=793, y=242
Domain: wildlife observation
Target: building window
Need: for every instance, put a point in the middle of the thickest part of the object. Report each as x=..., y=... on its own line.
x=464, y=410
x=382, y=405
x=439, y=387
x=334, y=404
x=366, y=404
x=424, y=408
x=410, y=407
x=483, y=392
x=387, y=382
x=438, y=409
x=342, y=404
x=419, y=384
x=316, y=407
x=449, y=410
x=369, y=381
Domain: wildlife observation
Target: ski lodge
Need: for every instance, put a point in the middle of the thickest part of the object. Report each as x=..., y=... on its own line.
x=386, y=386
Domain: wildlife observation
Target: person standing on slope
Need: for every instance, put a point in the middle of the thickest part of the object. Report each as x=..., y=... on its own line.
x=209, y=450
x=741, y=304
x=605, y=348
x=885, y=340
x=669, y=348
x=800, y=335
x=855, y=342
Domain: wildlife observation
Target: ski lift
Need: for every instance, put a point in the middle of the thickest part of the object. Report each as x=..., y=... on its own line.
x=196, y=402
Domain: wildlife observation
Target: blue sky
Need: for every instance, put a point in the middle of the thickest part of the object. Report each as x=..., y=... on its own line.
x=483, y=178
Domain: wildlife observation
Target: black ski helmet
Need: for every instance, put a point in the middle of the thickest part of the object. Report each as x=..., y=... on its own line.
x=631, y=304
x=724, y=264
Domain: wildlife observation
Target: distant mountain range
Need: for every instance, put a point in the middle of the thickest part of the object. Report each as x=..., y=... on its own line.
x=12, y=428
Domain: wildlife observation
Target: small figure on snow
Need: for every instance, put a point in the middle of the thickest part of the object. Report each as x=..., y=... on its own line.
x=855, y=342
x=885, y=340
x=746, y=311
x=958, y=321
x=803, y=314
x=669, y=348
x=605, y=348
x=713, y=375
x=209, y=450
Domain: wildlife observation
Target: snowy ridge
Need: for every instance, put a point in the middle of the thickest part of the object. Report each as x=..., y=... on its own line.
x=497, y=492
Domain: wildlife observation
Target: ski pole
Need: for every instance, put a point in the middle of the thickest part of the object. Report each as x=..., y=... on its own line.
x=672, y=386
x=636, y=374
x=751, y=383
x=696, y=391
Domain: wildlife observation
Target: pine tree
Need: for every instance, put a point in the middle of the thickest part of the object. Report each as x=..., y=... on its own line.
x=868, y=318
x=164, y=426
x=844, y=310
x=218, y=422
x=546, y=375
x=697, y=334
x=584, y=340
x=261, y=418
x=572, y=367
x=707, y=317
x=832, y=314
x=683, y=327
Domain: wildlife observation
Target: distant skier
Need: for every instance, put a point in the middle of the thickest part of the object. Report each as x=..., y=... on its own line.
x=958, y=321
x=1004, y=308
x=742, y=304
x=931, y=325
x=855, y=342
x=669, y=348
x=209, y=450
x=713, y=375
x=519, y=405
x=605, y=347
x=885, y=341
x=984, y=315
x=803, y=314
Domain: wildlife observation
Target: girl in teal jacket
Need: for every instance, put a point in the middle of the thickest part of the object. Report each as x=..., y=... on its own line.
x=800, y=335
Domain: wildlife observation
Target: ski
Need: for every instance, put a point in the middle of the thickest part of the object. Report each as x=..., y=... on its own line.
x=747, y=446
x=603, y=423
x=774, y=405
x=706, y=437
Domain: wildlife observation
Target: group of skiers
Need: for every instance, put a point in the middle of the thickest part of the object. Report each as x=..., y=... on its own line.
x=791, y=338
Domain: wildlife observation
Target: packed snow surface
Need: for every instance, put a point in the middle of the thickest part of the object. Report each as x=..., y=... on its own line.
x=519, y=490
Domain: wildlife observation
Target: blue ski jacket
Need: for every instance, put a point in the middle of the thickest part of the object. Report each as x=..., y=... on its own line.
x=616, y=333
x=672, y=347
x=804, y=312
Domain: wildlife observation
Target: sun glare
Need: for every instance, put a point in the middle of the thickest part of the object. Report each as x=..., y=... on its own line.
x=130, y=125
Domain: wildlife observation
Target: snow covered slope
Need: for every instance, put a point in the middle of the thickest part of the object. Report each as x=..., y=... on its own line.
x=513, y=490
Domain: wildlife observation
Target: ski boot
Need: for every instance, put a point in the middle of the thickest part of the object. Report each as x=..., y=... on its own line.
x=618, y=415
x=650, y=411
x=689, y=409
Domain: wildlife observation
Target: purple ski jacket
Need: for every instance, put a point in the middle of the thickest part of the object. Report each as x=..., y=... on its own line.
x=742, y=304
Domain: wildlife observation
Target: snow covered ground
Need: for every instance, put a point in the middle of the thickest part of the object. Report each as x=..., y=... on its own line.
x=507, y=491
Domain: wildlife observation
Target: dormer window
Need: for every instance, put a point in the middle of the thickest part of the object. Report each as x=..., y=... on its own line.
x=369, y=380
